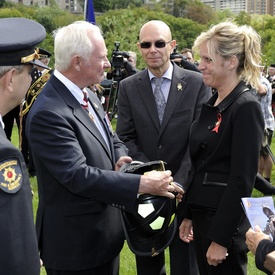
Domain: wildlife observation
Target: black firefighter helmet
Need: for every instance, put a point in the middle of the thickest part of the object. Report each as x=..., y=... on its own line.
x=151, y=227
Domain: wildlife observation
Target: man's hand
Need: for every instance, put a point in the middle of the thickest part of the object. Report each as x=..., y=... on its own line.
x=122, y=161
x=253, y=237
x=186, y=231
x=160, y=183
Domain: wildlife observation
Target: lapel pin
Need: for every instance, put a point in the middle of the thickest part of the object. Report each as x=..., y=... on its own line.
x=179, y=87
x=96, y=106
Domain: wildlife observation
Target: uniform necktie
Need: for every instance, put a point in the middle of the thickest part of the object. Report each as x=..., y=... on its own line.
x=159, y=97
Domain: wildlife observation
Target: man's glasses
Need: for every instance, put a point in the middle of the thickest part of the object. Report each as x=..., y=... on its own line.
x=158, y=44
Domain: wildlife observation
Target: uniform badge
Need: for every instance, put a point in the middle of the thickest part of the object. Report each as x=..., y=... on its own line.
x=10, y=176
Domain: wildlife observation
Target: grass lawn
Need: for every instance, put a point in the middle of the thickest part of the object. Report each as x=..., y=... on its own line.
x=127, y=265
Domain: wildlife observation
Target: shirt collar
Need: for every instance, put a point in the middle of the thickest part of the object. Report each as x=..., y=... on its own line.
x=167, y=74
x=227, y=101
x=75, y=90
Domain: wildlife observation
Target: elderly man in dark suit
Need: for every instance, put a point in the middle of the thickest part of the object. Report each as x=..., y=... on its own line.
x=149, y=136
x=77, y=158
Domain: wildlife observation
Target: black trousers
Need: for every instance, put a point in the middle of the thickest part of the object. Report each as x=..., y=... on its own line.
x=110, y=268
x=236, y=261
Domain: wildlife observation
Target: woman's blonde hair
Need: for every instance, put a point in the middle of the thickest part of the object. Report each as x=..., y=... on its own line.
x=227, y=39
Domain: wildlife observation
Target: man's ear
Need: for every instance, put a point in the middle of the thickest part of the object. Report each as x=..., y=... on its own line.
x=173, y=44
x=8, y=78
x=76, y=61
x=138, y=45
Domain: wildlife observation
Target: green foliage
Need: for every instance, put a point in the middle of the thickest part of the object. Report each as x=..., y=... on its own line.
x=243, y=18
x=45, y=16
x=102, y=5
x=7, y=12
x=179, y=8
x=198, y=12
x=191, y=18
x=126, y=31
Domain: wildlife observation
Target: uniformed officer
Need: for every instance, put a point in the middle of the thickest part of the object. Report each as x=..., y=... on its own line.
x=18, y=243
x=40, y=76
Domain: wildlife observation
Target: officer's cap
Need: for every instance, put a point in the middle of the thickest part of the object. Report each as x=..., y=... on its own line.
x=43, y=53
x=19, y=36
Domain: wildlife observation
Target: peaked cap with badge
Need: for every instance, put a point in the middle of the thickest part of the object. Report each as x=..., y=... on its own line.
x=43, y=53
x=20, y=37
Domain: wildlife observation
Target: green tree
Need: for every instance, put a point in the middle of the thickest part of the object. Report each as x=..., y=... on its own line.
x=176, y=7
x=224, y=15
x=10, y=12
x=123, y=4
x=102, y=5
x=2, y=3
x=200, y=12
x=122, y=26
x=243, y=18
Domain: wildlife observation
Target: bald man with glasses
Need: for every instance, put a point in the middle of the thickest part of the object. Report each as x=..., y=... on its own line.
x=155, y=110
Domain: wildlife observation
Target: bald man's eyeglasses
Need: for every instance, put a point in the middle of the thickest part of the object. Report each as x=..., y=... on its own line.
x=158, y=44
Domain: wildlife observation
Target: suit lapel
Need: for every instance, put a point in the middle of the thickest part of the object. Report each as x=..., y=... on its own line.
x=80, y=113
x=106, y=124
x=176, y=92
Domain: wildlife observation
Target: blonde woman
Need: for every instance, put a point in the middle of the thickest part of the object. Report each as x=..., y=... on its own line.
x=225, y=142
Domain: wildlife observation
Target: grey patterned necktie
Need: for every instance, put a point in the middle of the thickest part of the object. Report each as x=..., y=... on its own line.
x=159, y=97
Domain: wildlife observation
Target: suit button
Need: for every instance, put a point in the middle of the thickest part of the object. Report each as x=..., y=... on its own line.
x=160, y=147
x=203, y=145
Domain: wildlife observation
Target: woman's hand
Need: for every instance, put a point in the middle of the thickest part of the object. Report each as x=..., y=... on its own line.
x=216, y=254
x=186, y=231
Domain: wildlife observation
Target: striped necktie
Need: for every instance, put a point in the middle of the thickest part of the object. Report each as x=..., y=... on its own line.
x=159, y=97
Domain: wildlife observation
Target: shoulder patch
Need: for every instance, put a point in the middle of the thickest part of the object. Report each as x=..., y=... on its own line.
x=10, y=175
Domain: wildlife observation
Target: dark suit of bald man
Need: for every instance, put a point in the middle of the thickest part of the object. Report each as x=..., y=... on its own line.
x=138, y=126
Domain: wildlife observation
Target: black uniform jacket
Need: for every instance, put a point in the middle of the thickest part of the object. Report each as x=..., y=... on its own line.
x=264, y=247
x=18, y=243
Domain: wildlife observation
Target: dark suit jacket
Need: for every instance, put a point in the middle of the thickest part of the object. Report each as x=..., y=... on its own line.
x=225, y=161
x=19, y=250
x=138, y=123
x=77, y=223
